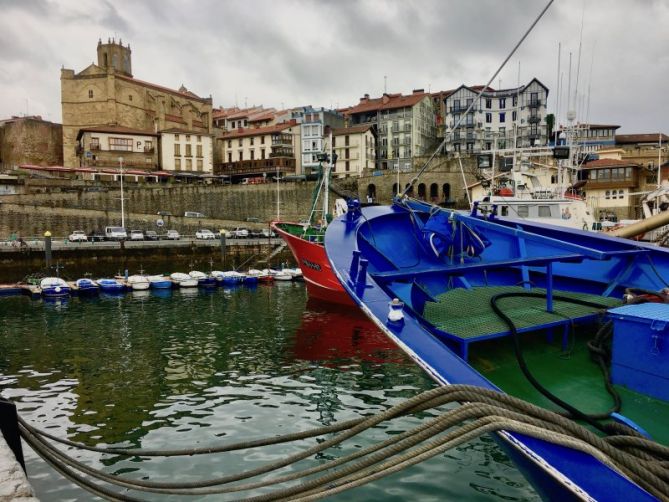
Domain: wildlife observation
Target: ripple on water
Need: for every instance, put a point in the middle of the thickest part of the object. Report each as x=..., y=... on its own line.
x=236, y=364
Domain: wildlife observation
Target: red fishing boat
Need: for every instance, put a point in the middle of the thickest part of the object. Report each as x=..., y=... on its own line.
x=306, y=244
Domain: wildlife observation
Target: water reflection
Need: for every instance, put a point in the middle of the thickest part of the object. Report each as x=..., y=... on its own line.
x=196, y=368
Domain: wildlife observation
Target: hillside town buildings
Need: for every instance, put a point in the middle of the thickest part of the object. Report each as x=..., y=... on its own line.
x=355, y=148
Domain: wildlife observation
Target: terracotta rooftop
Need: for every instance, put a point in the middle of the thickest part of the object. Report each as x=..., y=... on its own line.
x=339, y=131
x=625, y=139
x=181, y=92
x=176, y=130
x=601, y=163
x=258, y=131
x=116, y=129
x=385, y=102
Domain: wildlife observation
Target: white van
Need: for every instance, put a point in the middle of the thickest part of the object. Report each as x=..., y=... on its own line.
x=115, y=234
x=193, y=214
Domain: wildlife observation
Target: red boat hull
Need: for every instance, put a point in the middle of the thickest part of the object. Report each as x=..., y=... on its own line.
x=318, y=276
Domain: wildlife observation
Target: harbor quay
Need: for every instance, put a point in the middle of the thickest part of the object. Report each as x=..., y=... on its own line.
x=99, y=259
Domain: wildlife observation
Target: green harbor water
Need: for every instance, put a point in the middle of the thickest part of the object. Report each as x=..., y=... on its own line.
x=187, y=369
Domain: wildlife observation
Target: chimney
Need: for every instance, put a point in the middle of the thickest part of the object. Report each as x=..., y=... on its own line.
x=365, y=98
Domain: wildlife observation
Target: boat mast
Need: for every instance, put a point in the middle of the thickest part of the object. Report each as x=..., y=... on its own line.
x=120, y=162
x=326, y=184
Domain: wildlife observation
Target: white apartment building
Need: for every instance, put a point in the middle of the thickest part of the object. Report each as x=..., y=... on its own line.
x=315, y=136
x=186, y=151
x=501, y=119
x=355, y=148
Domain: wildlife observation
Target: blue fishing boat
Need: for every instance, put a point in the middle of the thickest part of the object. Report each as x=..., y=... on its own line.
x=159, y=282
x=87, y=287
x=514, y=306
x=54, y=287
x=203, y=280
x=112, y=286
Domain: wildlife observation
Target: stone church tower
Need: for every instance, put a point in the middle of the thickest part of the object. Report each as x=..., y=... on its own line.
x=115, y=58
x=106, y=94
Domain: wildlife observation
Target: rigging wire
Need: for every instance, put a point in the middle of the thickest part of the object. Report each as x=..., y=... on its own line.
x=478, y=96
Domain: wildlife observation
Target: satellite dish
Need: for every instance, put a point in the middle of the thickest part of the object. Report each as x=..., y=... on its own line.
x=159, y=222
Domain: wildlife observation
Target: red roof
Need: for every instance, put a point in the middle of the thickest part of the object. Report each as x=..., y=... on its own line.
x=602, y=163
x=116, y=129
x=641, y=138
x=386, y=102
x=339, y=131
x=258, y=131
x=184, y=93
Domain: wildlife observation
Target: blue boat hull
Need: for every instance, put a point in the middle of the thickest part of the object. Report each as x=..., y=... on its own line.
x=58, y=292
x=379, y=251
x=161, y=285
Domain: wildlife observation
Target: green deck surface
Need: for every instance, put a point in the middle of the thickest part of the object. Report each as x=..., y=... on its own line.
x=467, y=314
x=573, y=377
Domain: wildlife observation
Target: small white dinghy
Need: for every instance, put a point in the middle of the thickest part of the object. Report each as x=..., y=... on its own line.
x=184, y=280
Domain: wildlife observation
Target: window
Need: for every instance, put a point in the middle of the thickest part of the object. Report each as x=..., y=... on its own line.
x=488, y=103
x=347, y=154
x=346, y=140
x=251, y=140
x=262, y=153
x=544, y=211
x=515, y=101
x=95, y=143
x=240, y=141
x=199, y=150
x=177, y=150
x=262, y=140
x=189, y=151
x=488, y=118
x=229, y=143
x=90, y=93
x=199, y=139
x=502, y=103
x=621, y=194
x=523, y=211
x=122, y=144
x=607, y=195
x=200, y=165
x=456, y=104
x=502, y=117
x=189, y=164
x=177, y=164
x=187, y=137
x=348, y=166
x=229, y=156
x=253, y=154
x=513, y=116
x=148, y=146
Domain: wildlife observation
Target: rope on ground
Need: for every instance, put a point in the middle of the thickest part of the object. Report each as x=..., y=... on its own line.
x=484, y=411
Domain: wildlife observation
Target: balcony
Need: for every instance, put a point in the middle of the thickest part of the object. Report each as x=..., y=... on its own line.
x=534, y=119
x=534, y=103
x=461, y=109
x=255, y=167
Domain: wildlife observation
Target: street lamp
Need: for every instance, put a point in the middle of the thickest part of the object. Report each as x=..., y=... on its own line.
x=120, y=162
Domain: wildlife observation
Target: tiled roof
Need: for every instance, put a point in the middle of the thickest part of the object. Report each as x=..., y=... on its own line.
x=386, y=102
x=641, y=138
x=339, y=131
x=185, y=93
x=116, y=129
x=176, y=130
x=257, y=131
x=601, y=163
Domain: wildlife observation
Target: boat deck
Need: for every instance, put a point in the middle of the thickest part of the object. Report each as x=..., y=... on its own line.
x=570, y=375
x=464, y=316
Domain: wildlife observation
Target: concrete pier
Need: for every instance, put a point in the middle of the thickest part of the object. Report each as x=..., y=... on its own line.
x=14, y=486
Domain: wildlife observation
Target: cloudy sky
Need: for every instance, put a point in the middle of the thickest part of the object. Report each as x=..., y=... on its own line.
x=330, y=52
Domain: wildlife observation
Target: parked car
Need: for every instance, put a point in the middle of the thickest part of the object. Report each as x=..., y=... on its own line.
x=164, y=213
x=172, y=235
x=136, y=235
x=204, y=234
x=268, y=232
x=151, y=235
x=115, y=233
x=77, y=236
x=240, y=232
x=96, y=236
x=193, y=214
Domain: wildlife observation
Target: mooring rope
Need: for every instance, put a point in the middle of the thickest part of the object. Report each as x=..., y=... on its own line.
x=483, y=411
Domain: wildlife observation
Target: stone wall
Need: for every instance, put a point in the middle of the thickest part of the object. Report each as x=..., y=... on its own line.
x=30, y=140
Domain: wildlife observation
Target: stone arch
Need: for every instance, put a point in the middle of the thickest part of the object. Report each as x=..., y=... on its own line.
x=408, y=188
x=446, y=191
x=434, y=192
x=421, y=191
x=371, y=191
